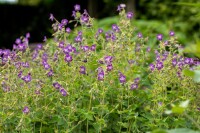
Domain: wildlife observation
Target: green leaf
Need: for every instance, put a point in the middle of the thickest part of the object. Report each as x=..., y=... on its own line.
x=178, y=110
x=197, y=76
x=188, y=72
x=182, y=130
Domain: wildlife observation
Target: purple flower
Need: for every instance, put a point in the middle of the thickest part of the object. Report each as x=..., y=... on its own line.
x=50, y=73
x=63, y=92
x=77, y=7
x=27, y=78
x=120, y=7
x=189, y=61
x=174, y=62
x=139, y=35
x=68, y=58
x=93, y=47
x=82, y=70
x=60, y=26
x=148, y=49
x=136, y=80
x=109, y=67
x=25, y=64
x=129, y=15
x=159, y=65
x=100, y=30
x=115, y=28
x=51, y=17
x=108, y=59
x=18, y=41
x=159, y=37
x=68, y=30
x=101, y=76
x=122, y=78
x=152, y=67
x=171, y=33
x=21, y=47
x=39, y=47
x=64, y=22
x=134, y=86
x=84, y=19
x=74, y=14
x=20, y=74
x=61, y=45
x=45, y=39
x=46, y=65
x=85, y=48
x=56, y=85
x=131, y=62
x=27, y=35
x=26, y=110
x=37, y=92
x=78, y=39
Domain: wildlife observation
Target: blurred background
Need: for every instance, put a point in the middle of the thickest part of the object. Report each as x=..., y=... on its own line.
x=17, y=17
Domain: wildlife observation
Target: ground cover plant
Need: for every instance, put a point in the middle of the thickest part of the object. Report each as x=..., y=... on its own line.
x=91, y=80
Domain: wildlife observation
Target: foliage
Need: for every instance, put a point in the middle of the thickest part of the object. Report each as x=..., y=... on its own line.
x=93, y=80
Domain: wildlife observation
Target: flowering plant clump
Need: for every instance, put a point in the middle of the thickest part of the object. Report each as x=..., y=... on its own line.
x=91, y=80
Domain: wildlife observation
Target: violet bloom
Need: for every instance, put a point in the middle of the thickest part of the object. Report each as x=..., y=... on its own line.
x=159, y=65
x=100, y=76
x=74, y=14
x=152, y=67
x=77, y=7
x=64, y=22
x=46, y=65
x=174, y=62
x=51, y=17
x=68, y=58
x=27, y=35
x=115, y=28
x=61, y=45
x=39, y=47
x=129, y=15
x=109, y=67
x=131, y=62
x=82, y=70
x=93, y=47
x=68, y=30
x=148, y=49
x=139, y=35
x=21, y=47
x=78, y=39
x=60, y=26
x=26, y=110
x=85, y=48
x=120, y=7
x=20, y=74
x=171, y=33
x=56, y=85
x=84, y=19
x=45, y=39
x=134, y=86
x=63, y=92
x=122, y=78
x=100, y=30
x=27, y=78
x=18, y=41
x=25, y=64
x=108, y=59
x=136, y=80
x=50, y=73
x=159, y=37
